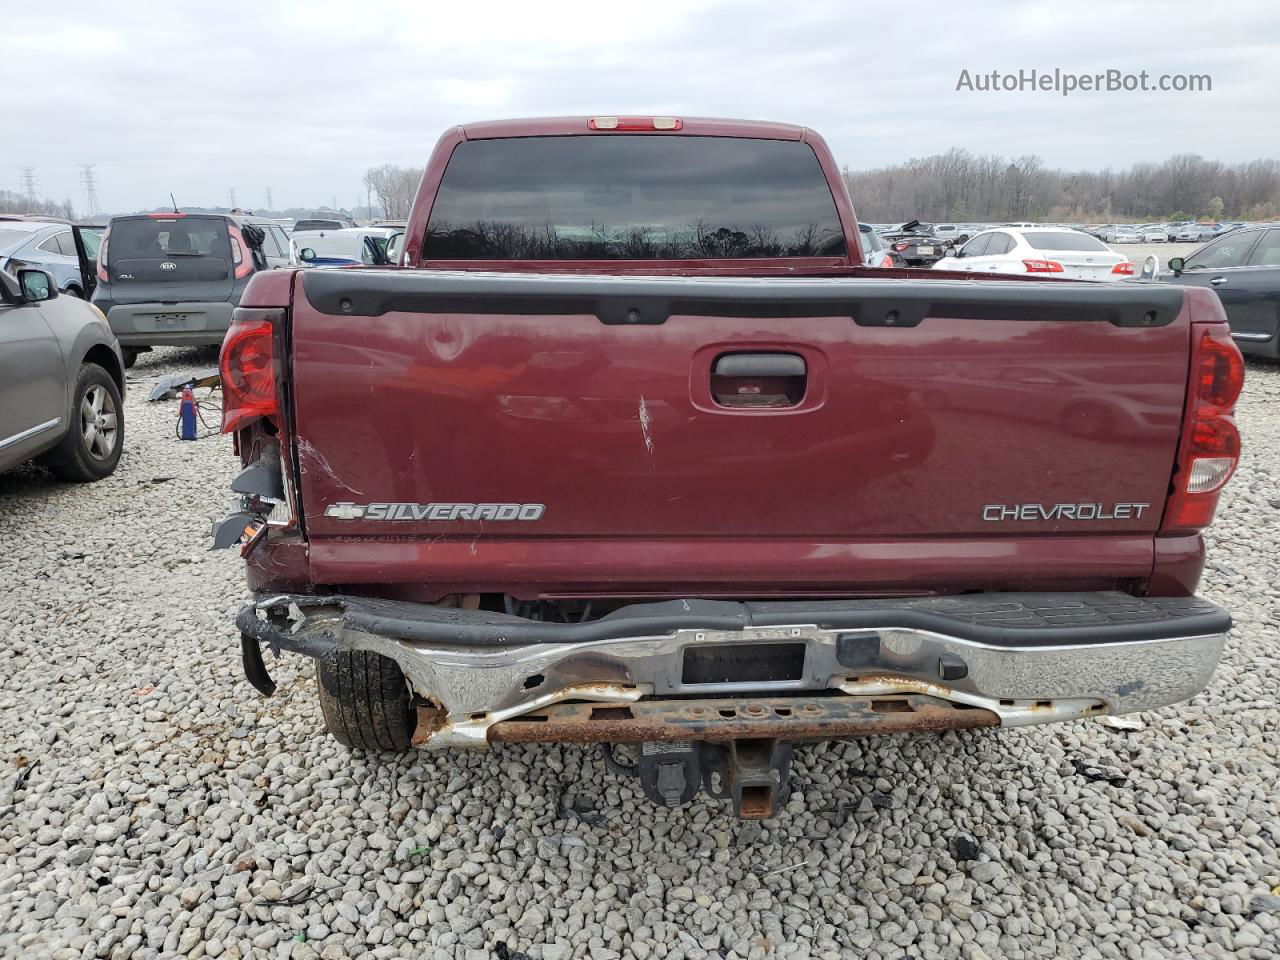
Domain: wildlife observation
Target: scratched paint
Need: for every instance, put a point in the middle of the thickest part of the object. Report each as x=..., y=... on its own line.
x=645, y=422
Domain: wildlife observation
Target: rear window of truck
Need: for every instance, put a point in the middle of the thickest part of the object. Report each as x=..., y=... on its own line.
x=632, y=198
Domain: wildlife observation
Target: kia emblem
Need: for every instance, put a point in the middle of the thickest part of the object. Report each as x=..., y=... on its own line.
x=168, y=265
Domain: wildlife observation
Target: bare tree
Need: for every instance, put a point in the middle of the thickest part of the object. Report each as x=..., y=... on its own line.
x=394, y=187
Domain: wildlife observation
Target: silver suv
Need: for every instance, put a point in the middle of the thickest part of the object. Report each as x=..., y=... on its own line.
x=61, y=380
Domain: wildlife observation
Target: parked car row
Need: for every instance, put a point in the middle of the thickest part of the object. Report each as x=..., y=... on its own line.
x=914, y=232
x=1180, y=232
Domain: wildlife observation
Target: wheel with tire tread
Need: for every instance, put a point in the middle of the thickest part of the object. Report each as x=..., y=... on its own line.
x=365, y=700
x=91, y=447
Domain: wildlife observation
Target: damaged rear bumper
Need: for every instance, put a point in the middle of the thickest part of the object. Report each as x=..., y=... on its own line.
x=723, y=671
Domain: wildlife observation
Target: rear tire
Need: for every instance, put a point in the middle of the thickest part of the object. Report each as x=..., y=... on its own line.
x=84, y=454
x=130, y=355
x=365, y=700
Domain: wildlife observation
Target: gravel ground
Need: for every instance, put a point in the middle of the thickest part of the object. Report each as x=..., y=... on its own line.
x=151, y=804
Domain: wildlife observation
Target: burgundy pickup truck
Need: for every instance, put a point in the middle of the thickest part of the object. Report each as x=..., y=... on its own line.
x=630, y=449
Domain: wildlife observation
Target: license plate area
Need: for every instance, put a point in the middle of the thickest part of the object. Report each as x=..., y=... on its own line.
x=169, y=320
x=743, y=663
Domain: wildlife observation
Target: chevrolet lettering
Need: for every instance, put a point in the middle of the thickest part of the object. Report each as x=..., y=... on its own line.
x=997, y=512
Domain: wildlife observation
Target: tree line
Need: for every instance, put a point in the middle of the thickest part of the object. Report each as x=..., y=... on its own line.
x=959, y=185
x=11, y=202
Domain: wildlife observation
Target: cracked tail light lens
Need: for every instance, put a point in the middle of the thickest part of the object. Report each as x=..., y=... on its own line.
x=247, y=365
x=1210, y=448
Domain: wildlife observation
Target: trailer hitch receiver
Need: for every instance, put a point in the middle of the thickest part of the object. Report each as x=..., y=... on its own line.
x=753, y=774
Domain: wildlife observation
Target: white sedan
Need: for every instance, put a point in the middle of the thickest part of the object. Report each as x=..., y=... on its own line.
x=1053, y=251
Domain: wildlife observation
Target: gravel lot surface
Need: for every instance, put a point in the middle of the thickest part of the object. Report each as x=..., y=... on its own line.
x=151, y=804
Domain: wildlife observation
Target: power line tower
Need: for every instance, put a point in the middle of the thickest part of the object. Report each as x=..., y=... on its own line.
x=231, y=193
x=29, y=186
x=90, y=182
x=270, y=205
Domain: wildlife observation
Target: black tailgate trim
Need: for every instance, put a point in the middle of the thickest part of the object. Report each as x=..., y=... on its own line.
x=625, y=300
x=1010, y=620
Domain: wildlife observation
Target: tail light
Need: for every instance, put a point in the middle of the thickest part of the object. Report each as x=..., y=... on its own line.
x=1210, y=447
x=1042, y=266
x=247, y=365
x=901, y=245
x=102, y=256
x=239, y=252
x=1123, y=269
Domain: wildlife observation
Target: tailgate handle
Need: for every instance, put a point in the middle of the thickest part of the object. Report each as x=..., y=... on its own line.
x=760, y=365
x=756, y=380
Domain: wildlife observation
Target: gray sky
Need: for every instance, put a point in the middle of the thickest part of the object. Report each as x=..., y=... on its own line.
x=197, y=98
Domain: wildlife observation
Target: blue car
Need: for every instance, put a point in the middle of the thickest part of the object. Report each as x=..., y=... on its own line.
x=47, y=245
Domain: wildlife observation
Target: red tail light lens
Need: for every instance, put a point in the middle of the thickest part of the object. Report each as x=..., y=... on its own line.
x=240, y=253
x=900, y=246
x=1210, y=447
x=1219, y=372
x=1123, y=269
x=1042, y=266
x=247, y=364
x=102, y=256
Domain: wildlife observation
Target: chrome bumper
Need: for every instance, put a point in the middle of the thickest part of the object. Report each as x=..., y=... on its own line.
x=1017, y=675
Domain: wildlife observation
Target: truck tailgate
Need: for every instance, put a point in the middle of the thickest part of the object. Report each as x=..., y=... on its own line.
x=575, y=433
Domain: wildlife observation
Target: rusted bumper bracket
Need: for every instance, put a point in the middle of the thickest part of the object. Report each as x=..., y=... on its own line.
x=736, y=750
x=781, y=718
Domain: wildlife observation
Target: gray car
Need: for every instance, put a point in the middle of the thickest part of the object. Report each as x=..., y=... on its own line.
x=61, y=380
x=174, y=279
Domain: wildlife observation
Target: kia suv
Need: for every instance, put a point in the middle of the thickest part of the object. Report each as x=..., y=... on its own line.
x=173, y=279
